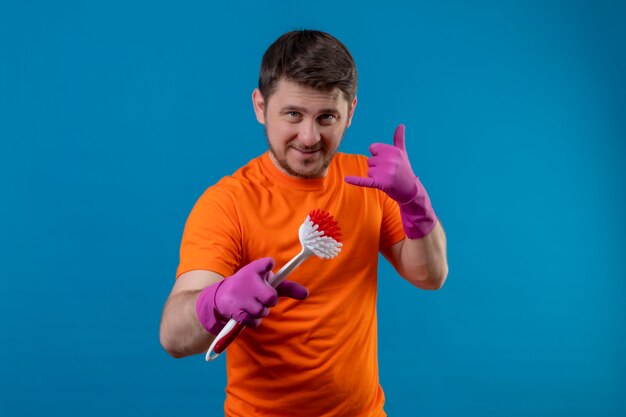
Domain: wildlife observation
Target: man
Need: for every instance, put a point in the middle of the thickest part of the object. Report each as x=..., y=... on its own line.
x=314, y=353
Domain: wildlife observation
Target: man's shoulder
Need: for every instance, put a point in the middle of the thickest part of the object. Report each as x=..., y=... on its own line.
x=239, y=181
x=344, y=157
x=350, y=163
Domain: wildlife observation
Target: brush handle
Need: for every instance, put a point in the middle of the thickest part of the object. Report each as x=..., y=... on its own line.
x=232, y=328
x=289, y=267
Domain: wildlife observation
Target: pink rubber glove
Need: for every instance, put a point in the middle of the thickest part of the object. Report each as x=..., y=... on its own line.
x=245, y=296
x=390, y=171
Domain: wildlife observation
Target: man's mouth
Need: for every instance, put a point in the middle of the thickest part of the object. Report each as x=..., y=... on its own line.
x=307, y=151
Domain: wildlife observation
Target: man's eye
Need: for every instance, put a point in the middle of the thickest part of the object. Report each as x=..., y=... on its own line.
x=293, y=114
x=327, y=118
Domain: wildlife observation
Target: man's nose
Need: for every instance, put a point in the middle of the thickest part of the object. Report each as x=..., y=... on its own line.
x=309, y=133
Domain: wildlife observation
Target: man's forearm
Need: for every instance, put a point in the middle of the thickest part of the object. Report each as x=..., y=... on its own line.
x=423, y=261
x=181, y=333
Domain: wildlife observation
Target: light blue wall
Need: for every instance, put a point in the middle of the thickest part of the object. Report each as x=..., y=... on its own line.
x=115, y=116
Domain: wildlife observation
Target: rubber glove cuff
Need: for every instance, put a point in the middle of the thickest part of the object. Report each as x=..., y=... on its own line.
x=206, y=310
x=418, y=216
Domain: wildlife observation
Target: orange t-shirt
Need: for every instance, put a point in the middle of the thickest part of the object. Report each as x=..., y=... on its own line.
x=316, y=357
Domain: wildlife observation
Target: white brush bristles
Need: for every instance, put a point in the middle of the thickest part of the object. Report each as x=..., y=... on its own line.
x=314, y=240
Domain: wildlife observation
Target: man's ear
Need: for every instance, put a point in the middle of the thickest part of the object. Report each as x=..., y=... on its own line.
x=258, y=102
x=351, y=111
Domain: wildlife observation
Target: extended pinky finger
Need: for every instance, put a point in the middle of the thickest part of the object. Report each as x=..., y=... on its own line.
x=360, y=181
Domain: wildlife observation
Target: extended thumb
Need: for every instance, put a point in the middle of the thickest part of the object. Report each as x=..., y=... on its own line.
x=399, y=139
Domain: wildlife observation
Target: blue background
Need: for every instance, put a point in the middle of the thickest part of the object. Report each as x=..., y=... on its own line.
x=115, y=116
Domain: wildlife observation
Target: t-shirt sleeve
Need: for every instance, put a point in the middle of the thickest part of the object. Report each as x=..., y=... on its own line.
x=212, y=236
x=391, y=231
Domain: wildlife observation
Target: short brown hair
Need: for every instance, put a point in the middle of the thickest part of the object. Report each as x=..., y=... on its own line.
x=311, y=58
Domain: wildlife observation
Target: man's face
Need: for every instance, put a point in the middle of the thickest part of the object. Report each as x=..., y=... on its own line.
x=304, y=126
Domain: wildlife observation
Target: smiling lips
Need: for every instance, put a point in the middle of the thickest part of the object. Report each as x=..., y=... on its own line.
x=307, y=151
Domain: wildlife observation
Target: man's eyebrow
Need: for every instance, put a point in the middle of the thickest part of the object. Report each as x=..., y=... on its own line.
x=290, y=107
x=300, y=109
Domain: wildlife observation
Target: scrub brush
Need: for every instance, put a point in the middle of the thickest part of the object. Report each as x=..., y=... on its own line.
x=319, y=235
